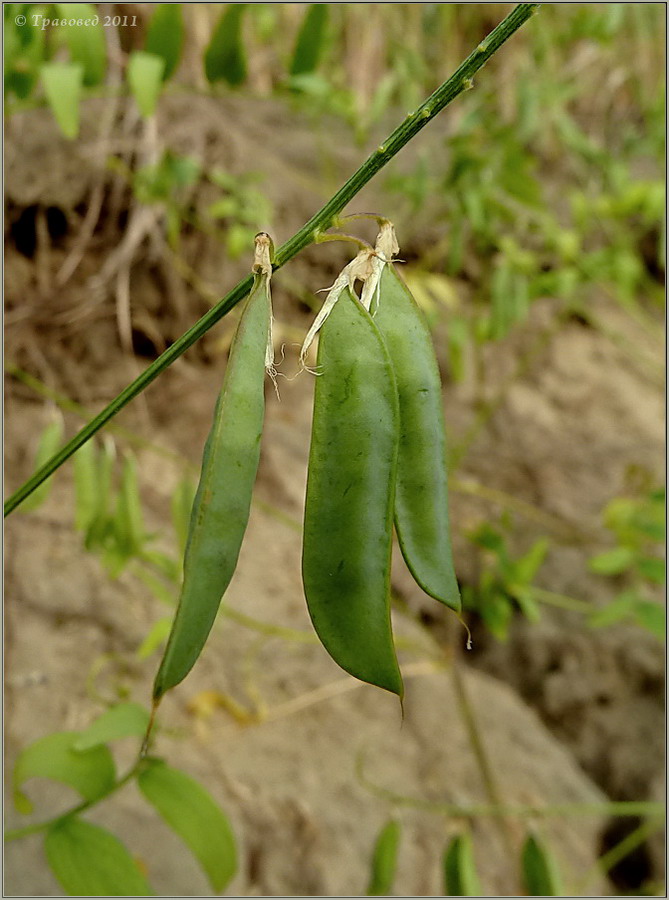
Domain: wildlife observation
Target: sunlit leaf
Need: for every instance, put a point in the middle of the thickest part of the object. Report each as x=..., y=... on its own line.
x=225, y=59
x=25, y=51
x=128, y=519
x=525, y=600
x=166, y=35
x=384, y=860
x=496, y=611
x=86, y=485
x=157, y=635
x=123, y=720
x=458, y=340
x=612, y=562
x=49, y=442
x=310, y=40
x=540, y=872
x=616, y=611
x=191, y=812
x=62, y=86
x=86, y=42
x=145, y=77
x=100, y=523
x=167, y=565
x=652, y=616
x=157, y=586
x=89, y=861
x=91, y=773
x=651, y=568
x=460, y=876
x=527, y=566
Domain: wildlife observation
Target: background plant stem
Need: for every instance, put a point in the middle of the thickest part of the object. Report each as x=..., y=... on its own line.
x=459, y=81
x=15, y=833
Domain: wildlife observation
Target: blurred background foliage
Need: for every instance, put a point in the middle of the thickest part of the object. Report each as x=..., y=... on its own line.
x=550, y=177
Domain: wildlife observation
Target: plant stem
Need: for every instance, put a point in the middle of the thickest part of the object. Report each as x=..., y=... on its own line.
x=623, y=808
x=460, y=80
x=562, y=601
x=15, y=833
x=617, y=853
x=482, y=759
x=267, y=628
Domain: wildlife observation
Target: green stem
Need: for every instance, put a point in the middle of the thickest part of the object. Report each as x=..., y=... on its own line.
x=479, y=750
x=623, y=808
x=561, y=600
x=460, y=81
x=280, y=631
x=617, y=853
x=15, y=833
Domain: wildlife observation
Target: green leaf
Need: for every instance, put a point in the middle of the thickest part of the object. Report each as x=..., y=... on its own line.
x=157, y=587
x=525, y=599
x=460, y=876
x=621, y=608
x=90, y=773
x=527, y=566
x=485, y=536
x=86, y=486
x=86, y=43
x=612, y=562
x=156, y=636
x=62, y=86
x=182, y=505
x=166, y=36
x=145, y=77
x=458, y=339
x=190, y=811
x=540, y=872
x=501, y=289
x=124, y=536
x=24, y=48
x=128, y=519
x=168, y=566
x=114, y=557
x=651, y=568
x=224, y=59
x=124, y=720
x=652, y=616
x=310, y=40
x=49, y=442
x=497, y=612
x=100, y=524
x=384, y=860
x=89, y=861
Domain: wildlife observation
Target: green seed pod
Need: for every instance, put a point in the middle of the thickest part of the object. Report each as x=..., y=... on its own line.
x=223, y=499
x=460, y=876
x=350, y=491
x=421, y=498
x=384, y=860
x=541, y=876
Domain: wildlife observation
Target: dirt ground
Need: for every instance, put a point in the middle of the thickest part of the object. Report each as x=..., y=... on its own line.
x=556, y=418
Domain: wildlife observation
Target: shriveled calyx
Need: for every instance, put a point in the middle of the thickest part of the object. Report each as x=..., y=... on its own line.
x=367, y=268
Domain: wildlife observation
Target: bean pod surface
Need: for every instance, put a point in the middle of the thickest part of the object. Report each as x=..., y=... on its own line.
x=421, y=496
x=350, y=492
x=223, y=499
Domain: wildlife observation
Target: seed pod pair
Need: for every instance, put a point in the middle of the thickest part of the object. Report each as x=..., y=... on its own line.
x=378, y=452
